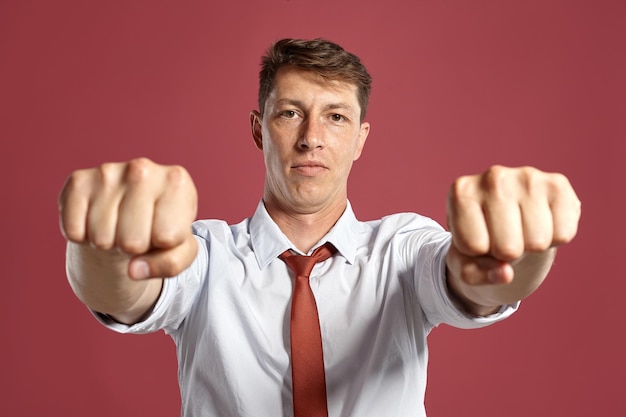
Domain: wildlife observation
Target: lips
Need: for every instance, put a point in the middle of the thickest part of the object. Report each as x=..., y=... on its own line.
x=307, y=164
x=309, y=168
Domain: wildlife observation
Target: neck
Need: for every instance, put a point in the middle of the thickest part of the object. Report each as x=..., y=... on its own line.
x=305, y=229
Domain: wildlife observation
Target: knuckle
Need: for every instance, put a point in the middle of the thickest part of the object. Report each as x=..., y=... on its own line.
x=559, y=180
x=133, y=246
x=507, y=251
x=537, y=243
x=101, y=241
x=179, y=181
x=462, y=187
x=73, y=231
x=109, y=174
x=462, y=194
x=167, y=238
x=78, y=182
x=471, y=247
x=177, y=176
x=571, y=202
x=138, y=170
x=76, y=191
x=563, y=235
x=531, y=179
x=560, y=186
x=493, y=178
x=169, y=265
x=503, y=183
x=495, y=184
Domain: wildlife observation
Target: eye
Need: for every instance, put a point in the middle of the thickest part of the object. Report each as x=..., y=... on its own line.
x=337, y=117
x=288, y=114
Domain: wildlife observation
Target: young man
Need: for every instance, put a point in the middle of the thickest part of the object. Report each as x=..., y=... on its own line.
x=228, y=299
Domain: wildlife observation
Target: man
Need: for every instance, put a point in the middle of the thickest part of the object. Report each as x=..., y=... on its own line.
x=228, y=299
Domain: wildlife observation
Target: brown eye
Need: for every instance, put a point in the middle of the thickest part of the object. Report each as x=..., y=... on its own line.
x=289, y=114
x=337, y=118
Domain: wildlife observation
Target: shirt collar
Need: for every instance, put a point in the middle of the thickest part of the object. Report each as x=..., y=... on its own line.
x=268, y=241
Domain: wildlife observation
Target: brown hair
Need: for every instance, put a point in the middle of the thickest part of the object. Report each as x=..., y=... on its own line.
x=325, y=58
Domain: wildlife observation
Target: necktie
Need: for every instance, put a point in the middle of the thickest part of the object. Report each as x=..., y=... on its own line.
x=307, y=358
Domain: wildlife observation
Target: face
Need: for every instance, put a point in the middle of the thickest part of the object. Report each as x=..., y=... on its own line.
x=310, y=135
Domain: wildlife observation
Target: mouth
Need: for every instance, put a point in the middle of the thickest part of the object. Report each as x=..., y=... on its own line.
x=309, y=168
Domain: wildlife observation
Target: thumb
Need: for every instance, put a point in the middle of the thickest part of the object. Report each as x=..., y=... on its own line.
x=478, y=270
x=164, y=263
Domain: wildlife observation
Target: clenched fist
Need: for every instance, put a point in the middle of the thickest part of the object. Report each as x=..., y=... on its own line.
x=138, y=208
x=506, y=217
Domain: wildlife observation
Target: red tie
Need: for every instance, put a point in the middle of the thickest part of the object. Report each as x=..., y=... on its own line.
x=307, y=358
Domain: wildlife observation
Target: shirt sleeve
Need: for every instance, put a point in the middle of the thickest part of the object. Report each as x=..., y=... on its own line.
x=177, y=296
x=431, y=245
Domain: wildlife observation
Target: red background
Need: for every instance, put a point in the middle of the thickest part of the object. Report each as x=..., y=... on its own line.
x=458, y=86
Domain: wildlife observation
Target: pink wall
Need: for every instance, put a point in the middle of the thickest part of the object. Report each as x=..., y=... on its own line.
x=459, y=86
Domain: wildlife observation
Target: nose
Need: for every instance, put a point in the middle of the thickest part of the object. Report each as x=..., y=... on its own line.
x=311, y=135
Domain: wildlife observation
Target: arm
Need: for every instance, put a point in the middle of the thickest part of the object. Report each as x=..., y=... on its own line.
x=506, y=225
x=127, y=225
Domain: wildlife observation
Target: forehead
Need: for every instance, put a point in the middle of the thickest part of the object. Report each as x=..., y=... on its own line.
x=297, y=84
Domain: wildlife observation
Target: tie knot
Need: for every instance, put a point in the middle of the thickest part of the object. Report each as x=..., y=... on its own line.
x=303, y=265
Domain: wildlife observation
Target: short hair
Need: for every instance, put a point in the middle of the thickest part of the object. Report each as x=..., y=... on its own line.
x=320, y=56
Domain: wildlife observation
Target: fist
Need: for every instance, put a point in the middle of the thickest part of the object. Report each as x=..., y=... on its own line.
x=503, y=214
x=138, y=208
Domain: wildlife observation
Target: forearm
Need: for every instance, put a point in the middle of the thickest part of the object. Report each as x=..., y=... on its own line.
x=100, y=280
x=528, y=274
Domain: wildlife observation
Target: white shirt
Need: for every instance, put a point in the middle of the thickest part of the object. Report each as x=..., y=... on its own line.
x=378, y=298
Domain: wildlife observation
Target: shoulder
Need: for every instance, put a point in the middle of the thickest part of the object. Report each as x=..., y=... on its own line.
x=215, y=229
x=406, y=222
x=406, y=234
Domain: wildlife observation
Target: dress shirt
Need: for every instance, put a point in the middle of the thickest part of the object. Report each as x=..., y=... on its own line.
x=378, y=298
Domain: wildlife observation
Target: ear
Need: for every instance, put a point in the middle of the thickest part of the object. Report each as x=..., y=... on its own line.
x=364, y=131
x=256, y=126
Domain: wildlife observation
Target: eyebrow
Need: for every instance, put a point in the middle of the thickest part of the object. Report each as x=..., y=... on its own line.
x=298, y=103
